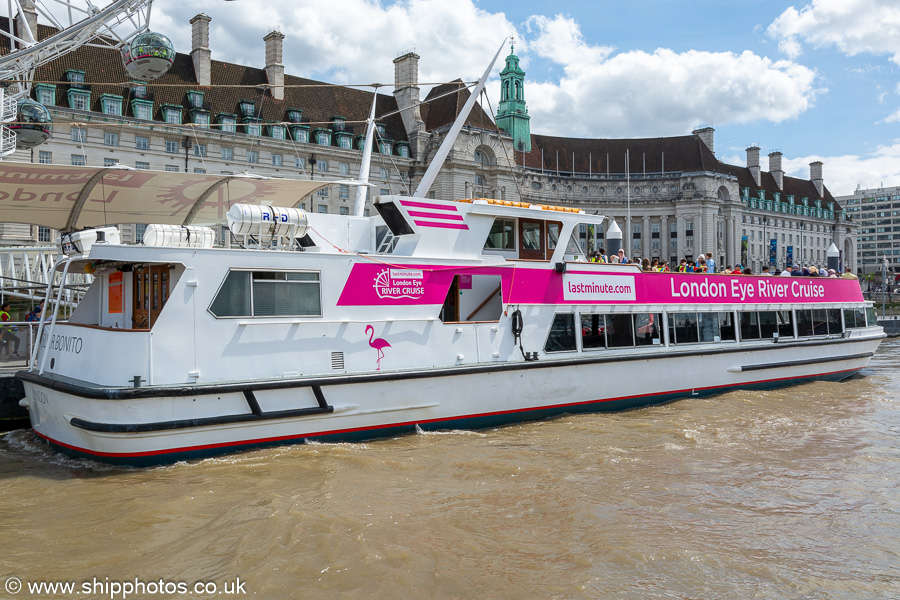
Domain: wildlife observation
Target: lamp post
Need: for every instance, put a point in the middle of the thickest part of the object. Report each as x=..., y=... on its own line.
x=765, y=222
x=312, y=165
x=187, y=145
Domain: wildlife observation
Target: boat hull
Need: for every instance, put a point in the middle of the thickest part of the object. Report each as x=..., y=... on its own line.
x=147, y=426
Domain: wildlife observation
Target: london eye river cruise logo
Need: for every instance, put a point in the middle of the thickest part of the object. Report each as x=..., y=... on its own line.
x=400, y=283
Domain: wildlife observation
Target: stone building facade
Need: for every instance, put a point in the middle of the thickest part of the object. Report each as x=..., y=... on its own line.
x=877, y=214
x=671, y=196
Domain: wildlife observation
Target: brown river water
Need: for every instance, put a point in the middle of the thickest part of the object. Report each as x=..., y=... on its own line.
x=792, y=493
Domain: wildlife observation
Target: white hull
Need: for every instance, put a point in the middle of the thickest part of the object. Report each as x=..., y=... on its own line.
x=162, y=428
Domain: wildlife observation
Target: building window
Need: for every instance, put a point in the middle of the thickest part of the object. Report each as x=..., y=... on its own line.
x=172, y=168
x=278, y=132
x=199, y=170
x=201, y=119
x=141, y=142
x=110, y=138
x=322, y=208
x=323, y=192
x=111, y=104
x=195, y=99
x=142, y=166
x=79, y=135
x=344, y=168
x=323, y=138
x=403, y=151
x=344, y=192
x=45, y=158
x=300, y=163
x=301, y=135
x=110, y=162
x=254, y=129
x=344, y=210
x=200, y=150
x=79, y=100
x=228, y=123
x=78, y=160
x=46, y=94
x=384, y=147
x=380, y=129
x=277, y=160
x=322, y=166
x=338, y=123
x=227, y=153
x=172, y=114
x=171, y=146
x=383, y=172
x=43, y=234
x=345, y=141
x=139, y=230
x=252, y=157
x=142, y=109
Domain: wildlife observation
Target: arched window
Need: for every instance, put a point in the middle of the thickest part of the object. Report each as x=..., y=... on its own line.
x=518, y=91
x=506, y=91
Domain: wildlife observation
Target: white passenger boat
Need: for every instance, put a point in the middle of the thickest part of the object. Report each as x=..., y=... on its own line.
x=431, y=314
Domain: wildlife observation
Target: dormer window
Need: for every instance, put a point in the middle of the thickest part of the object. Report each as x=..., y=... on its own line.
x=338, y=123
x=247, y=108
x=254, y=127
x=140, y=91
x=403, y=149
x=75, y=79
x=380, y=128
x=277, y=132
x=228, y=122
x=195, y=99
x=294, y=115
x=344, y=140
x=361, y=142
x=322, y=137
x=300, y=133
x=110, y=104
x=385, y=146
x=142, y=109
x=45, y=93
x=79, y=99
x=200, y=118
x=171, y=113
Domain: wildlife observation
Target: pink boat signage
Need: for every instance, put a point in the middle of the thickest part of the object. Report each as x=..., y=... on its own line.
x=373, y=285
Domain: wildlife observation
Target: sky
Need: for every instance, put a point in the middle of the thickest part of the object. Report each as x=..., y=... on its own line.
x=816, y=79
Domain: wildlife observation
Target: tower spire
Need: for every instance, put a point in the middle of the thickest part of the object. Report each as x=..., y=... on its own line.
x=512, y=114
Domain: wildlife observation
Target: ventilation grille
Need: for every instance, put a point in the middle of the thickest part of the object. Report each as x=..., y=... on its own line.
x=337, y=360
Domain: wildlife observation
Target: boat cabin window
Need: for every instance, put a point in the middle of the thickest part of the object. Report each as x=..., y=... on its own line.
x=268, y=294
x=473, y=298
x=766, y=324
x=502, y=235
x=619, y=331
x=870, y=315
x=854, y=318
x=692, y=328
x=151, y=284
x=562, y=334
x=819, y=322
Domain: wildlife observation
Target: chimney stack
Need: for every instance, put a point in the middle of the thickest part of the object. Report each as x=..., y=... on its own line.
x=200, y=53
x=406, y=93
x=706, y=134
x=775, y=168
x=753, y=162
x=274, y=68
x=28, y=15
x=815, y=175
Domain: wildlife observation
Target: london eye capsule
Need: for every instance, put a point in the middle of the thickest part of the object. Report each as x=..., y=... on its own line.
x=33, y=124
x=148, y=56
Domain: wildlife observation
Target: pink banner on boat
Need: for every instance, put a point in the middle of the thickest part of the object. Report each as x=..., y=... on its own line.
x=378, y=284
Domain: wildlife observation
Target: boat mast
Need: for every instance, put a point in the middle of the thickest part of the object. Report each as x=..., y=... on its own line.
x=438, y=161
x=359, y=206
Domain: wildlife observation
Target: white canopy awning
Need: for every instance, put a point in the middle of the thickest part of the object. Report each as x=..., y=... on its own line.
x=69, y=198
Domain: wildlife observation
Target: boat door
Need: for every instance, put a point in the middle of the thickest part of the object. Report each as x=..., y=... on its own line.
x=151, y=290
x=532, y=239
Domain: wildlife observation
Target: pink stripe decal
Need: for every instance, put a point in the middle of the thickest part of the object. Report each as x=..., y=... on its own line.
x=427, y=205
x=441, y=225
x=419, y=213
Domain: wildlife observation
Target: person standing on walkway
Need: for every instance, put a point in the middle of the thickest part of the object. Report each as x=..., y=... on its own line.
x=7, y=334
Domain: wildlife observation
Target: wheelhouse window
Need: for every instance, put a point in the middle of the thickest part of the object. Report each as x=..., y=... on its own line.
x=819, y=321
x=268, y=294
x=502, y=235
x=854, y=318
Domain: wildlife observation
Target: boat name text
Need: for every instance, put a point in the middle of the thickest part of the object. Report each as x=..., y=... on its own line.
x=735, y=289
x=66, y=343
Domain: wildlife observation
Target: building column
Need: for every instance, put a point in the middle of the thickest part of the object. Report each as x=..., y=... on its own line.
x=645, y=236
x=729, y=242
x=627, y=235
x=664, y=238
x=680, y=230
x=698, y=236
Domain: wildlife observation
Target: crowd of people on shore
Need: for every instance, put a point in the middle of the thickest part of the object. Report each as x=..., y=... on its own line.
x=706, y=264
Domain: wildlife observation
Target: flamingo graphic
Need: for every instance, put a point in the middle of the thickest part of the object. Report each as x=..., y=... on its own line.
x=378, y=343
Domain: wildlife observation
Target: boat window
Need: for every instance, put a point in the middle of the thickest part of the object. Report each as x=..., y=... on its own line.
x=768, y=324
x=502, y=235
x=619, y=331
x=833, y=316
x=646, y=327
x=727, y=331
x=683, y=328
x=749, y=326
x=593, y=331
x=385, y=242
x=854, y=317
x=531, y=235
x=805, y=326
x=870, y=315
x=552, y=235
x=820, y=323
x=562, y=334
x=785, y=323
x=709, y=327
x=268, y=294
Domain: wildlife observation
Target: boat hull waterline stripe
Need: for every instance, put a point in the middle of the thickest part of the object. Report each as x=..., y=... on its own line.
x=490, y=419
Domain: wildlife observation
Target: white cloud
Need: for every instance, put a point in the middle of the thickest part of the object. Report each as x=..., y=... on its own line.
x=844, y=173
x=853, y=26
x=661, y=93
x=893, y=117
x=347, y=41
